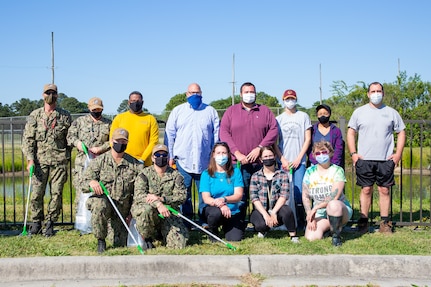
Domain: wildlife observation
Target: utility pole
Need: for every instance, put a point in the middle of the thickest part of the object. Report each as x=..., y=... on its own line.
x=233, y=79
x=320, y=73
x=52, y=56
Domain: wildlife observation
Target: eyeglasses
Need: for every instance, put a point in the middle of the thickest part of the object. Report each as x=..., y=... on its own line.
x=158, y=154
x=50, y=93
x=321, y=152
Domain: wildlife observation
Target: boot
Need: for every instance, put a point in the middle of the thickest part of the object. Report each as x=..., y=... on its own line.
x=35, y=228
x=148, y=244
x=101, y=245
x=49, y=230
x=336, y=227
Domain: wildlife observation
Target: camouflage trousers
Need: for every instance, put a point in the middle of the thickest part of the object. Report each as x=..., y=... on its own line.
x=77, y=172
x=56, y=176
x=101, y=212
x=172, y=229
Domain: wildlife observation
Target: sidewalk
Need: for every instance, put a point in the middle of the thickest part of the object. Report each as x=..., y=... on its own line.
x=278, y=270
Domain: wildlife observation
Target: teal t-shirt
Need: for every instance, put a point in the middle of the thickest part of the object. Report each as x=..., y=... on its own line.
x=220, y=186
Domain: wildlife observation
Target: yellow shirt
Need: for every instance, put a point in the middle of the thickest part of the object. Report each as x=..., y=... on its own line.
x=143, y=134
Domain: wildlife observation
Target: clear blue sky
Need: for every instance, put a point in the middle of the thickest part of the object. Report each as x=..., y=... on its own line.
x=110, y=48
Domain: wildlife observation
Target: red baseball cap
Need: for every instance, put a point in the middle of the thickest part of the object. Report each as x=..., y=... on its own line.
x=289, y=94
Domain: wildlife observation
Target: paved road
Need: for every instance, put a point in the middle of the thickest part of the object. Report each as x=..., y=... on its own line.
x=278, y=270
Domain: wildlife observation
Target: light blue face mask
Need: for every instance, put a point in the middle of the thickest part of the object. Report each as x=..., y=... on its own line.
x=221, y=159
x=322, y=158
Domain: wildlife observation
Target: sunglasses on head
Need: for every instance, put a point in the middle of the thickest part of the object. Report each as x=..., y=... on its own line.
x=160, y=154
x=321, y=152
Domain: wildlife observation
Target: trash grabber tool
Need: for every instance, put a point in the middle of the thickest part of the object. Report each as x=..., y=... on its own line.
x=24, y=229
x=292, y=203
x=192, y=222
x=121, y=217
x=87, y=161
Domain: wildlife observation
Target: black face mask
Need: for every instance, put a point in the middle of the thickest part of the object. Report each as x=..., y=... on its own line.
x=119, y=147
x=268, y=162
x=96, y=115
x=323, y=119
x=161, y=161
x=136, y=106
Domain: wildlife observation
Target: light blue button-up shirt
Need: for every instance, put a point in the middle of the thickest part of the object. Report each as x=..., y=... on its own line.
x=190, y=136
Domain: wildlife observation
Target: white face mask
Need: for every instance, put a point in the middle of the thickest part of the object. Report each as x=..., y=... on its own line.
x=290, y=104
x=249, y=98
x=376, y=98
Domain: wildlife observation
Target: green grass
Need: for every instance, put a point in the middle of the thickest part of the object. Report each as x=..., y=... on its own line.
x=69, y=242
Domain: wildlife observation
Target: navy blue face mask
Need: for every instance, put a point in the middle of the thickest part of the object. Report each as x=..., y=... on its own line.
x=195, y=101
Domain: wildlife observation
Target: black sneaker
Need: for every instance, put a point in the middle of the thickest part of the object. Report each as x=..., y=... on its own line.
x=49, y=230
x=35, y=228
x=148, y=244
x=101, y=245
x=336, y=241
x=362, y=225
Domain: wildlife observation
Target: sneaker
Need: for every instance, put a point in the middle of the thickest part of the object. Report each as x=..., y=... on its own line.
x=294, y=239
x=148, y=244
x=336, y=241
x=49, y=230
x=101, y=245
x=35, y=228
x=261, y=235
x=362, y=225
x=385, y=227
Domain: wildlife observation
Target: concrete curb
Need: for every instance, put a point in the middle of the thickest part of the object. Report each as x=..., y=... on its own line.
x=179, y=266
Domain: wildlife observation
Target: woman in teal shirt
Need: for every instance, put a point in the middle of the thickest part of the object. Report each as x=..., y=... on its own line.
x=221, y=187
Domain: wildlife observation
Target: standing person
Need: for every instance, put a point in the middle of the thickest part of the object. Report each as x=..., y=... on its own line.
x=91, y=130
x=327, y=131
x=294, y=140
x=324, y=202
x=45, y=146
x=117, y=171
x=374, y=159
x=222, y=190
x=269, y=192
x=142, y=127
x=156, y=186
x=191, y=131
x=246, y=127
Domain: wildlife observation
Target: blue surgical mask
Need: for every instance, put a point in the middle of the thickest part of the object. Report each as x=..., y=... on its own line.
x=221, y=159
x=376, y=98
x=195, y=101
x=322, y=158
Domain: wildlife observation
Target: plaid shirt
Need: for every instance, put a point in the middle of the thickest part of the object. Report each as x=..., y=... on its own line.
x=259, y=187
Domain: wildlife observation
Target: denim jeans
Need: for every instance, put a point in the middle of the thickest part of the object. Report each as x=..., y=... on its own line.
x=187, y=206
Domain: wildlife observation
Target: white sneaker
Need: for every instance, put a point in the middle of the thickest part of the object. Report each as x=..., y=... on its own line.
x=261, y=235
x=294, y=239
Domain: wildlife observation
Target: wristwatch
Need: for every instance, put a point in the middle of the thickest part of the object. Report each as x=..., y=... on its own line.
x=352, y=153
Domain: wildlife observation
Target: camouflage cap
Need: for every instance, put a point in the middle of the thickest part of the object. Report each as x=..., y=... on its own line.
x=160, y=147
x=120, y=133
x=49, y=87
x=95, y=103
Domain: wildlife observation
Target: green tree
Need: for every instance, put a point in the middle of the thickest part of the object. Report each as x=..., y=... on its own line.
x=123, y=107
x=73, y=105
x=25, y=106
x=176, y=100
x=5, y=111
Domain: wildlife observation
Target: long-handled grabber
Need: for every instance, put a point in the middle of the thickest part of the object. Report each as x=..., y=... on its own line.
x=121, y=217
x=173, y=211
x=88, y=159
x=24, y=229
x=292, y=203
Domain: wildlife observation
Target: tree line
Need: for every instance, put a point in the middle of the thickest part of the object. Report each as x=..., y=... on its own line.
x=410, y=96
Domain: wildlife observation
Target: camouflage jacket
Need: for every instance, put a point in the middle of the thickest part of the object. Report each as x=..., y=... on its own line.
x=119, y=179
x=91, y=133
x=44, y=138
x=171, y=187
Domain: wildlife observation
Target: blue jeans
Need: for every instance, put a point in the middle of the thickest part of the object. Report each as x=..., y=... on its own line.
x=298, y=176
x=247, y=171
x=187, y=206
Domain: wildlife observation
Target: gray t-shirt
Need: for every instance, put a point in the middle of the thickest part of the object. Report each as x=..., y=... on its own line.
x=375, y=128
x=291, y=133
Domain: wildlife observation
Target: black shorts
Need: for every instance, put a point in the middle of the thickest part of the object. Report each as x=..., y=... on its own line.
x=369, y=172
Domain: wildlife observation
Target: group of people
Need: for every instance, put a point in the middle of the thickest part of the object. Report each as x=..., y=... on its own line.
x=249, y=156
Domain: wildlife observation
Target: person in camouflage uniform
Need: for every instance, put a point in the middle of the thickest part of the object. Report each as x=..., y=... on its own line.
x=156, y=186
x=45, y=146
x=93, y=131
x=117, y=171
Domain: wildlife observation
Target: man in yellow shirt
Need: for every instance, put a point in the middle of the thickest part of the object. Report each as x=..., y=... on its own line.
x=142, y=127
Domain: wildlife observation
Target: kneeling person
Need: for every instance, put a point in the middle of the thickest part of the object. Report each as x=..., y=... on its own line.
x=156, y=186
